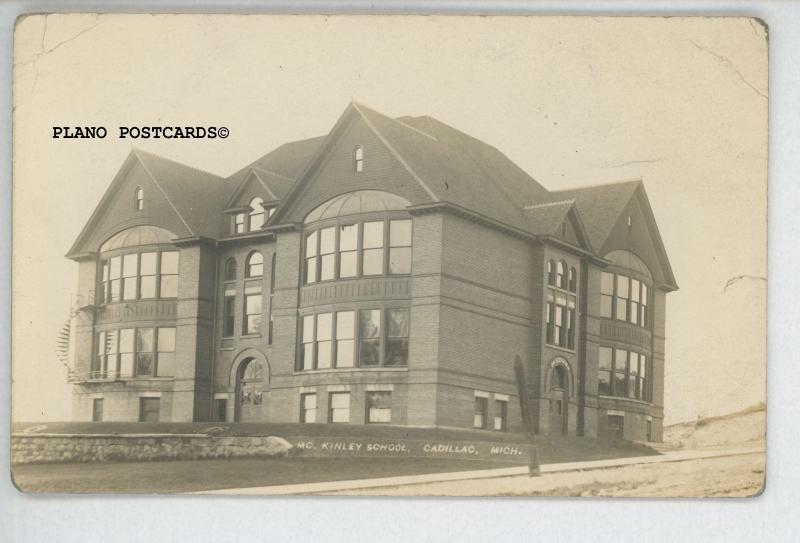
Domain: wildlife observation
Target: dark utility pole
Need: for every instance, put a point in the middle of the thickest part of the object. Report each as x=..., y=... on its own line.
x=527, y=417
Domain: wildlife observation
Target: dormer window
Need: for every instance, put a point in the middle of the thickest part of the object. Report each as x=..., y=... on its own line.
x=256, y=214
x=359, y=159
x=138, y=202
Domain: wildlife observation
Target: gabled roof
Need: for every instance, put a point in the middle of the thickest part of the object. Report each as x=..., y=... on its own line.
x=193, y=194
x=546, y=219
x=457, y=168
x=599, y=206
x=196, y=195
x=275, y=185
x=451, y=167
x=286, y=161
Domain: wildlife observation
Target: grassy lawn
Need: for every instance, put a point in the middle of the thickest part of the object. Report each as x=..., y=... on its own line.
x=195, y=475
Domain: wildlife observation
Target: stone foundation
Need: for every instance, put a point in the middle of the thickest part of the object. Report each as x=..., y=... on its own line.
x=52, y=448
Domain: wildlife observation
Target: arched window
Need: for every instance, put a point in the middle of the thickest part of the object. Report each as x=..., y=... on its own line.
x=138, y=201
x=358, y=156
x=253, y=371
x=230, y=269
x=551, y=271
x=573, y=280
x=256, y=214
x=561, y=272
x=255, y=265
x=558, y=379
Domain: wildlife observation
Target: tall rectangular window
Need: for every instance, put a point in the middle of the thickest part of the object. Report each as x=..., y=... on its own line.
x=643, y=307
x=571, y=323
x=130, y=270
x=400, y=246
x=396, y=337
x=379, y=407
x=149, y=409
x=238, y=223
x=144, y=351
x=252, y=312
x=100, y=360
x=372, y=263
x=147, y=283
x=307, y=354
x=623, y=292
x=500, y=415
x=550, y=317
x=114, y=275
x=348, y=250
x=169, y=274
x=635, y=301
x=339, y=407
x=229, y=314
x=126, y=352
x=558, y=335
x=166, y=352
x=620, y=367
x=644, y=382
x=606, y=294
x=345, y=339
x=112, y=349
x=327, y=253
x=369, y=331
x=308, y=408
x=220, y=409
x=97, y=410
x=481, y=408
x=324, y=344
x=103, y=288
x=311, y=257
x=605, y=367
x=633, y=375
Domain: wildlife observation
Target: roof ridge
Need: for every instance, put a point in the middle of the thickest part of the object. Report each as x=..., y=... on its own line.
x=415, y=129
x=548, y=204
x=271, y=172
x=138, y=151
x=598, y=185
x=361, y=105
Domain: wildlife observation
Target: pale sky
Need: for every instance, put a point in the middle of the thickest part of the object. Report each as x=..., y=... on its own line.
x=679, y=102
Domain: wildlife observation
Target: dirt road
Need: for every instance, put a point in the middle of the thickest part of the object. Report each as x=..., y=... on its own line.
x=729, y=476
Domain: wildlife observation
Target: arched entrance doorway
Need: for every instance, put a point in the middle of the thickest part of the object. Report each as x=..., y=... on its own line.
x=559, y=400
x=251, y=384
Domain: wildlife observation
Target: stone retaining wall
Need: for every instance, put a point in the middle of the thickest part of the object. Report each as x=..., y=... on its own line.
x=51, y=448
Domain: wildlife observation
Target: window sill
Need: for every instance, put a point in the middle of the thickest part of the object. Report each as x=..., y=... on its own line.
x=137, y=378
x=341, y=370
x=357, y=277
x=248, y=336
x=619, y=321
x=625, y=399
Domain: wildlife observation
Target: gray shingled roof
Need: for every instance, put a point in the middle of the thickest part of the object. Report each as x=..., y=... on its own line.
x=450, y=165
x=599, y=206
x=196, y=195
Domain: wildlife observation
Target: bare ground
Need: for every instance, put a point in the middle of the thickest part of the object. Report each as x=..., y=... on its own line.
x=729, y=476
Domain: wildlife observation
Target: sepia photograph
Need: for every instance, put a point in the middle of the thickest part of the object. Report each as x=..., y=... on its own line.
x=389, y=255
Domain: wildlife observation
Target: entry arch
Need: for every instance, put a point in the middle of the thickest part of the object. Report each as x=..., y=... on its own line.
x=250, y=379
x=560, y=388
